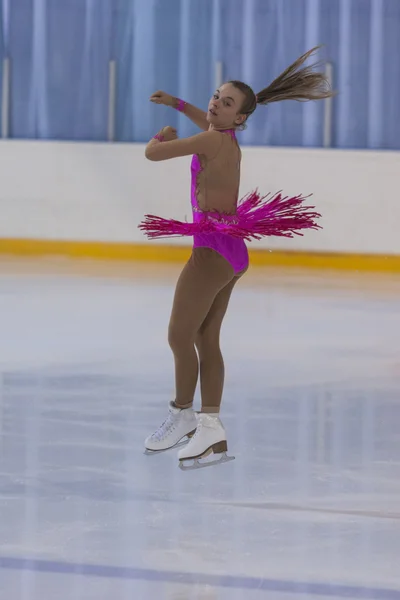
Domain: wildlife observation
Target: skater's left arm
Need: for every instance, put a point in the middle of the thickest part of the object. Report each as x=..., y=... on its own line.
x=166, y=145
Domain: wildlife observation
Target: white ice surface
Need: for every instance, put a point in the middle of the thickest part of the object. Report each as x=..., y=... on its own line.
x=310, y=508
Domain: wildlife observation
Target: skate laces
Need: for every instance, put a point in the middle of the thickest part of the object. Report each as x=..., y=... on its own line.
x=165, y=428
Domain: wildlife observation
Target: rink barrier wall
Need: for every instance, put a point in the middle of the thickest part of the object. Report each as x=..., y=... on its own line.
x=179, y=254
x=85, y=200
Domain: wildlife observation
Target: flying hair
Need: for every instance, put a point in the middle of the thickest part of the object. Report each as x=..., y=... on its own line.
x=297, y=82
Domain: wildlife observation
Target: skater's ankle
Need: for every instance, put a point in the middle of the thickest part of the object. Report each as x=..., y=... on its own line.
x=209, y=410
x=182, y=406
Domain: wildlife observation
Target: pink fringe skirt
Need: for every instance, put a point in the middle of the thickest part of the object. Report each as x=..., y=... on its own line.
x=256, y=217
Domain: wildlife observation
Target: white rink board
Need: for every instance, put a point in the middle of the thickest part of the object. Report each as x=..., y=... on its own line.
x=100, y=192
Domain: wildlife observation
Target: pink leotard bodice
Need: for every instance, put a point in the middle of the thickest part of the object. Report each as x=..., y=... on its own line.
x=234, y=250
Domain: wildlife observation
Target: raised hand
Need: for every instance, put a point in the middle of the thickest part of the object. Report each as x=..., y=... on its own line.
x=198, y=116
x=161, y=97
x=169, y=133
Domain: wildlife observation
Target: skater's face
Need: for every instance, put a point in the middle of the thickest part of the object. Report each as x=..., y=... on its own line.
x=224, y=107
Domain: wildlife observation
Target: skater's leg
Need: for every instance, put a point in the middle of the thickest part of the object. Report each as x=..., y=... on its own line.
x=210, y=433
x=203, y=277
x=212, y=369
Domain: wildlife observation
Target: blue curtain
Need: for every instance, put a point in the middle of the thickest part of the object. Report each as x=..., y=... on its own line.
x=60, y=53
x=3, y=46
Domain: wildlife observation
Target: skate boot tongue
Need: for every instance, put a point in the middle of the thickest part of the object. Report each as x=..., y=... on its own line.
x=173, y=410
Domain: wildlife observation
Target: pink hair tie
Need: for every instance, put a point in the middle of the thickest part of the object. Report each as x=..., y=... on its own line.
x=159, y=137
x=181, y=105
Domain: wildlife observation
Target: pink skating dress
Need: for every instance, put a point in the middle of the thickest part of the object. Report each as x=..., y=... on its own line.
x=233, y=249
x=256, y=217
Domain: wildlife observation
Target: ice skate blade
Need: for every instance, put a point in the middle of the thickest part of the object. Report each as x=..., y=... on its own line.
x=202, y=465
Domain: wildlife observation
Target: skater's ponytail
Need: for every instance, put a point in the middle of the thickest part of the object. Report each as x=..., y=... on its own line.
x=295, y=83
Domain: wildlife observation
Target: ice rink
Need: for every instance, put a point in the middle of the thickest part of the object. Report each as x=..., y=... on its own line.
x=310, y=508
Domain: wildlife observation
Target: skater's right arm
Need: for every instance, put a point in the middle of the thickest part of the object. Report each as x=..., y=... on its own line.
x=206, y=143
x=198, y=116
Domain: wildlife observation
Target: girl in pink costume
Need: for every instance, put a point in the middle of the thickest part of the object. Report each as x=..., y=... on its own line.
x=219, y=256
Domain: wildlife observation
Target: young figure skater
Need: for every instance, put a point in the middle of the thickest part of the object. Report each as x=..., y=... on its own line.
x=219, y=255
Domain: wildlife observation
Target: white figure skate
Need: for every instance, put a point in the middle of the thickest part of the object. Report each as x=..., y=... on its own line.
x=180, y=424
x=210, y=437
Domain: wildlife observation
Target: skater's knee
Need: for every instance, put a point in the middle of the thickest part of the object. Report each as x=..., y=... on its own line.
x=179, y=339
x=207, y=343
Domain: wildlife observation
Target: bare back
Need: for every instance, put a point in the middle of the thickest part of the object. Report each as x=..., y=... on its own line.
x=218, y=181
